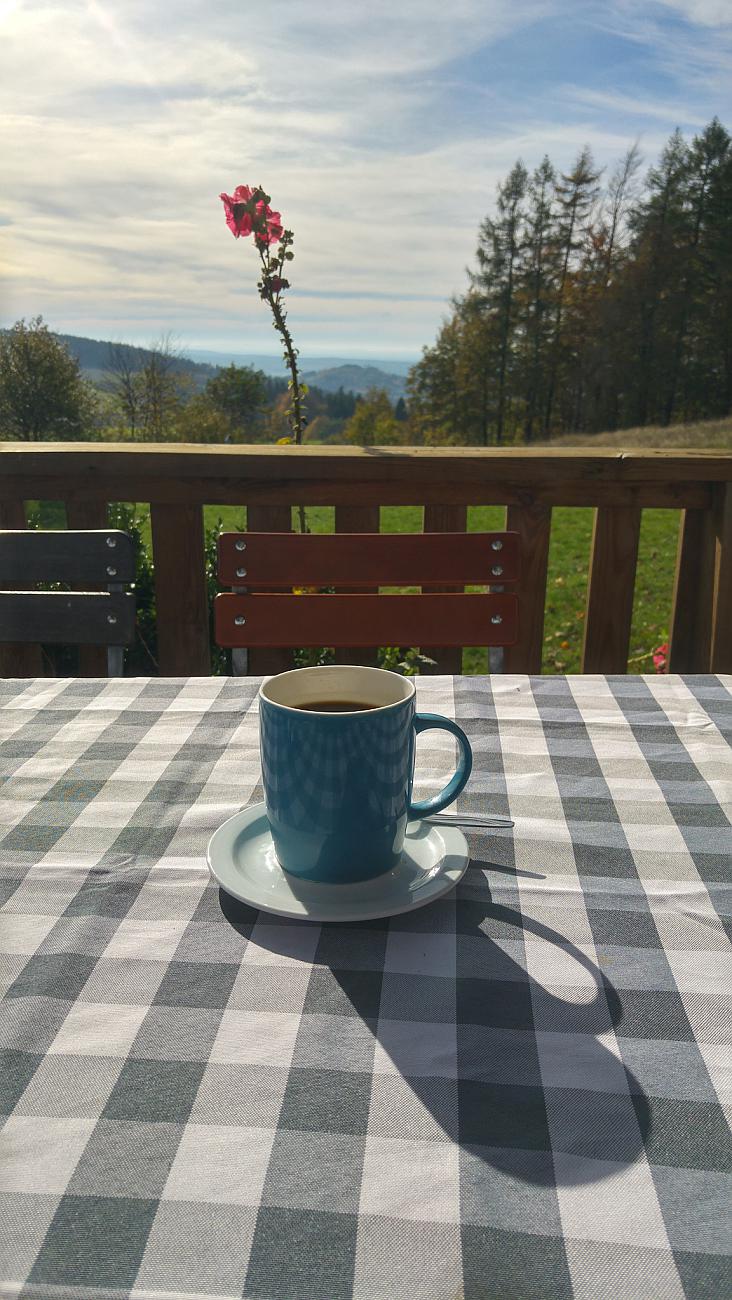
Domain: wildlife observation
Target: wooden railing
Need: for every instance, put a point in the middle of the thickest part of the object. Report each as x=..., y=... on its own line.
x=177, y=481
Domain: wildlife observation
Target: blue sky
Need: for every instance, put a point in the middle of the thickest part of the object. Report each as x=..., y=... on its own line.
x=380, y=129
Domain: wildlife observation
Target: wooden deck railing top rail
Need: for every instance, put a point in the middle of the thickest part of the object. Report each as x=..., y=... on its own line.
x=177, y=481
x=358, y=476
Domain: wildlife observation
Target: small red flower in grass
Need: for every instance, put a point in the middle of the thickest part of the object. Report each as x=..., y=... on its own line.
x=660, y=658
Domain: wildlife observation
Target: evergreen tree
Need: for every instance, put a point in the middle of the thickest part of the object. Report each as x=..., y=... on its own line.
x=658, y=235
x=494, y=284
x=576, y=192
x=537, y=281
x=589, y=310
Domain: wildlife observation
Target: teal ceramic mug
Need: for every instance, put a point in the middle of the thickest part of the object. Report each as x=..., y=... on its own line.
x=338, y=749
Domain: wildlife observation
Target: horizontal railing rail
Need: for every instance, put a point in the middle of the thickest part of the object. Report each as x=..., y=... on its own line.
x=177, y=481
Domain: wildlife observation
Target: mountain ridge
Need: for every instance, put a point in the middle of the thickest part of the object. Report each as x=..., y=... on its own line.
x=327, y=373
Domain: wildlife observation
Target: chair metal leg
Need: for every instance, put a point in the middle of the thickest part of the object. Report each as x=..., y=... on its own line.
x=115, y=661
x=240, y=663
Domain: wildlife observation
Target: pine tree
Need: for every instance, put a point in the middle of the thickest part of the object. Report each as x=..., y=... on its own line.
x=706, y=161
x=658, y=225
x=576, y=192
x=494, y=283
x=535, y=291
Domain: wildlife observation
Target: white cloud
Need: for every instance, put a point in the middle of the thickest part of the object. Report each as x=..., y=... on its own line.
x=710, y=13
x=122, y=122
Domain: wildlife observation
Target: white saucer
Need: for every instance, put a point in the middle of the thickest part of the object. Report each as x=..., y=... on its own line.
x=241, y=858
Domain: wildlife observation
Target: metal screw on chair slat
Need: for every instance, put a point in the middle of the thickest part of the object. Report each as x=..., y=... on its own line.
x=111, y=618
x=111, y=571
x=497, y=545
x=111, y=541
x=240, y=546
x=497, y=570
x=239, y=620
x=497, y=618
x=241, y=573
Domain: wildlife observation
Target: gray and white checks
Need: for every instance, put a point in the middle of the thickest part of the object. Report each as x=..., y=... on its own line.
x=518, y=1091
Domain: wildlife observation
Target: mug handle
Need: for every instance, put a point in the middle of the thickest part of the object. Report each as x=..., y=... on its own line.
x=454, y=787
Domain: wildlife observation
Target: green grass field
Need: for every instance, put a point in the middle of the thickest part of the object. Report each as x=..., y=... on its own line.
x=567, y=582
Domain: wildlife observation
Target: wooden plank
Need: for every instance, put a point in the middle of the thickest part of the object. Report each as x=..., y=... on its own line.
x=180, y=590
x=91, y=515
x=445, y=488
x=314, y=462
x=610, y=591
x=357, y=559
x=721, y=637
x=373, y=476
x=86, y=560
x=264, y=660
x=451, y=561
x=16, y=658
x=693, y=601
x=67, y=617
x=287, y=620
x=532, y=524
x=353, y=522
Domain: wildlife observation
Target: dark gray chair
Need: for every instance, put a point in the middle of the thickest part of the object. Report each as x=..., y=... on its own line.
x=98, y=612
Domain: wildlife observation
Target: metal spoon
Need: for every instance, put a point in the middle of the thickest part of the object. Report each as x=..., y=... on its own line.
x=470, y=819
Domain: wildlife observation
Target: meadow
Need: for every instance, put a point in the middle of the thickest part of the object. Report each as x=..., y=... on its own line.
x=567, y=578
x=567, y=581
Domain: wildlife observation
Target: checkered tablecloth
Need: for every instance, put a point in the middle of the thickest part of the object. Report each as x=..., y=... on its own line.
x=518, y=1091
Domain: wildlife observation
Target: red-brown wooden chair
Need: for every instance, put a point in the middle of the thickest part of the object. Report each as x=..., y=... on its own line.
x=257, y=614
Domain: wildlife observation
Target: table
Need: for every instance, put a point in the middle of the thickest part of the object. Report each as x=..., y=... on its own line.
x=516, y=1092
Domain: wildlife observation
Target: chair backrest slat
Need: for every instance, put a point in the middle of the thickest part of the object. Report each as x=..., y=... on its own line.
x=355, y=620
x=67, y=617
x=366, y=559
x=83, y=559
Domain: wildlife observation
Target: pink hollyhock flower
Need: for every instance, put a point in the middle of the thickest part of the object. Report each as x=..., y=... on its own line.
x=247, y=215
x=660, y=657
x=268, y=225
x=238, y=216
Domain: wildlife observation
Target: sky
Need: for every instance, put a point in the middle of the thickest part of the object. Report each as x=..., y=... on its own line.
x=380, y=128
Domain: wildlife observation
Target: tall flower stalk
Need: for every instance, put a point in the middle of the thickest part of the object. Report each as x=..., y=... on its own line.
x=248, y=213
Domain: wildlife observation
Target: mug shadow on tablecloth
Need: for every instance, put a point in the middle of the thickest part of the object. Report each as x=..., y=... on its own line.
x=506, y=1100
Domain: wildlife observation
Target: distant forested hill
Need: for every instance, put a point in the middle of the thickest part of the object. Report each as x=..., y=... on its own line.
x=357, y=379
x=94, y=357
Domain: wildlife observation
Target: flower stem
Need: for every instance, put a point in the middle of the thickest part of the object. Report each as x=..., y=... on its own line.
x=295, y=414
x=295, y=418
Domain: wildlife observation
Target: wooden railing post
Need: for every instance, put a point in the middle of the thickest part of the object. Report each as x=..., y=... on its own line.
x=693, y=601
x=444, y=519
x=533, y=523
x=180, y=590
x=17, y=659
x=268, y=519
x=721, y=651
x=83, y=515
x=357, y=519
x=610, y=591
